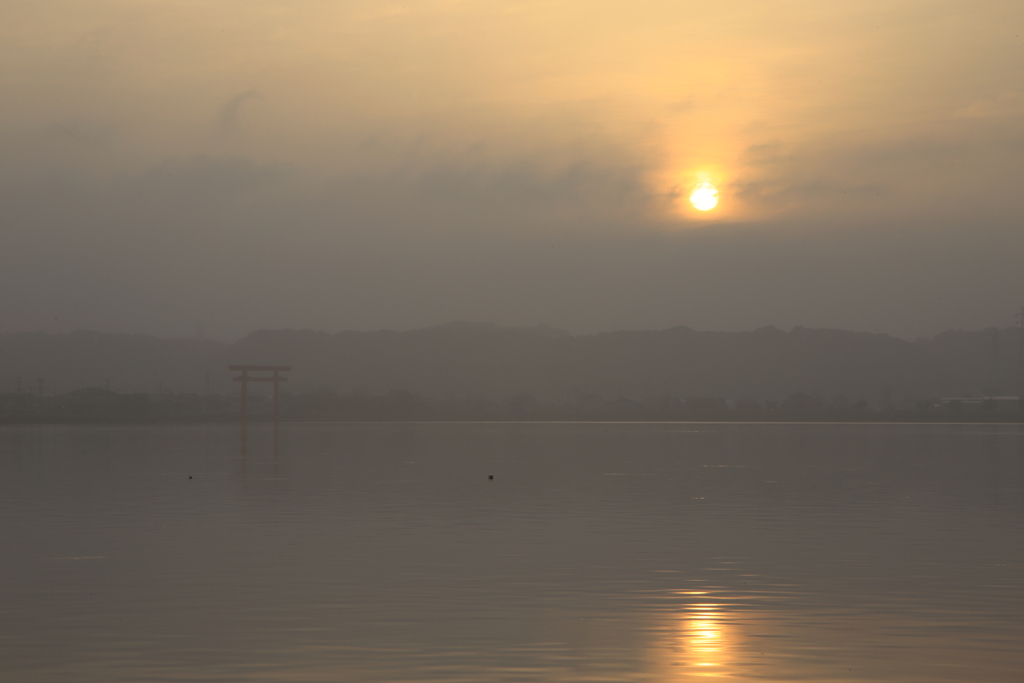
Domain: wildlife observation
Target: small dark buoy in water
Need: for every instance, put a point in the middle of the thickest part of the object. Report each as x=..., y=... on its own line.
x=190, y=476
x=490, y=476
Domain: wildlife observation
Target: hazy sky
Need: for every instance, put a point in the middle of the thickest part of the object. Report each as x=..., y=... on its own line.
x=226, y=165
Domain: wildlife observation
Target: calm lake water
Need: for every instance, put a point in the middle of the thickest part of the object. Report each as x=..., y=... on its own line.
x=599, y=552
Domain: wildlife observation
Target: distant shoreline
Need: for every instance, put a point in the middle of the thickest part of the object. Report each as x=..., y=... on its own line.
x=874, y=419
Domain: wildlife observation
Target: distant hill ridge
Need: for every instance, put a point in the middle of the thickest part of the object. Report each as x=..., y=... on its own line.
x=471, y=358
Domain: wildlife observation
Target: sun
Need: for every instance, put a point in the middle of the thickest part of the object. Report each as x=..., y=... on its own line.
x=704, y=196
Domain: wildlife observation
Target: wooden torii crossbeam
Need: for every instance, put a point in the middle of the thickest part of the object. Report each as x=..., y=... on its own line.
x=276, y=378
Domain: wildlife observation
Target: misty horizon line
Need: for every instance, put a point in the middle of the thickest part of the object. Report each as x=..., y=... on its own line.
x=541, y=328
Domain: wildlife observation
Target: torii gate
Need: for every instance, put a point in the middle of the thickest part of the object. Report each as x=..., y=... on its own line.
x=276, y=378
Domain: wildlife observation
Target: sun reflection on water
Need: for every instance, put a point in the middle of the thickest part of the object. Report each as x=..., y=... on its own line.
x=702, y=639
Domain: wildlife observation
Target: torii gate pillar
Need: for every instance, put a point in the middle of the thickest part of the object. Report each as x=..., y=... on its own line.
x=276, y=378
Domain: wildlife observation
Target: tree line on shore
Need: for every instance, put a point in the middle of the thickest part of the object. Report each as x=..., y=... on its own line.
x=98, y=405
x=463, y=370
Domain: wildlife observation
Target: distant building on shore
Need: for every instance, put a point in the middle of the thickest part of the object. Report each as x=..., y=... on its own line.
x=980, y=403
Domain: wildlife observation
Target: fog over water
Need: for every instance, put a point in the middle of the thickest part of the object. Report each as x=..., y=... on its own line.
x=598, y=552
x=216, y=168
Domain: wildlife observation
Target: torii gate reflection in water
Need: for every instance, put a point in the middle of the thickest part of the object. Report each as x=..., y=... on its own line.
x=276, y=378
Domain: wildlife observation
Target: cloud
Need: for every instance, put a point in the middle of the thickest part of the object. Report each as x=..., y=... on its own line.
x=942, y=173
x=236, y=245
x=357, y=165
x=229, y=114
x=1007, y=103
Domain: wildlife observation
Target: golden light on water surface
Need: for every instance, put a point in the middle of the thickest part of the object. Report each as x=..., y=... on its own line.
x=702, y=642
x=702, y=636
